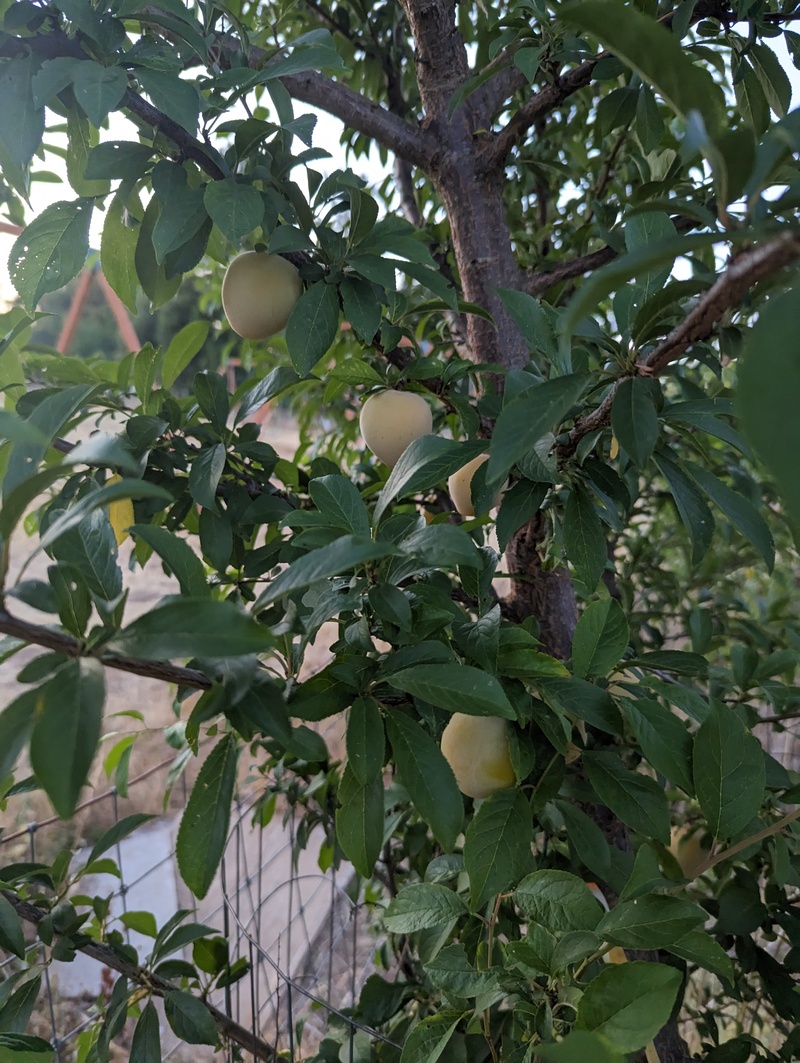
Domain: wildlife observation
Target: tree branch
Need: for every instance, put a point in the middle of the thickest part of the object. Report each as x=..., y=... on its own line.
x=158, y=986
x=39, y=635
x=190, y=146
x=551, y=96
x=538, y=282
x=357, y=112
x=746, y=270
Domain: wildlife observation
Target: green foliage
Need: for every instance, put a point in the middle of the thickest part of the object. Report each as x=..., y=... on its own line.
x=572, y=315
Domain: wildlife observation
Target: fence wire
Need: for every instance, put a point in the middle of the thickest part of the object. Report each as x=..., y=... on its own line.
x=307, y=936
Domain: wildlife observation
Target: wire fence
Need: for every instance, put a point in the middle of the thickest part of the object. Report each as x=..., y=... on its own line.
x=305, y=933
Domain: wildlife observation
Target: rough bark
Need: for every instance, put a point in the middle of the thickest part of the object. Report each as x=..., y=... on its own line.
x=546, y=594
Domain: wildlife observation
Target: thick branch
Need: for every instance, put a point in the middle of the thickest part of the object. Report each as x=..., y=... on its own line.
x=745, y=271
x=159, y=986
x=364, y=116
x=71, y=647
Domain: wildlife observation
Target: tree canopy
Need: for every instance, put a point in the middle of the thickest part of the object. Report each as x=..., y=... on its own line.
x=584, y=268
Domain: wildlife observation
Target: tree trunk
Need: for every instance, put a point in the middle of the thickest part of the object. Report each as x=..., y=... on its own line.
x=472, y=194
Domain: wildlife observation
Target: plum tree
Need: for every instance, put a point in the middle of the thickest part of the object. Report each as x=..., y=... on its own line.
x=580, y=259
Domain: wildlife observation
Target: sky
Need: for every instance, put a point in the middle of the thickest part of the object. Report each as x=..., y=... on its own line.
x=327, y=133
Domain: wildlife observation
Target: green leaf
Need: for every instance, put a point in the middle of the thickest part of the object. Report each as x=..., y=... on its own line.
x=524, y=420
x=586, y=840
x=98, y=89
x=558, y=901
x=179, y=558
x=518, y=505
x=664, y=739
x=204, y=824
x=339, y=501
x=213, y=399
x=67, y=731
x=118, y=253
x=451, y=972
x=456, y=687
x=359, y=820
x=23, y=118
x=24, y=1048
x=531, y=320
x=774, y=79
x=12, y=938
x=181, y=217
x=427, y=776
x=497, y=846
x=700, y=948
x=205, y=474
x=654, y=53
x=171, y=94
x=634, y=420
x=347, y=552
x=768, y=394
x=438, y=546
x=361, y=307
x=637, y=800
x=694, y=512
x=582, y=699
x=146, y=1041
x=274, y=383
x=117, y=832
x=429, y=1038
x=190, y=1019
x=16, y=1011
x=365, y=740
x=312, y=326
x=425, y=462
x=729, y=773
x=610, y=278
x=580, y=1046
x=235, y=208
x=76, y=516
x=629, y=1003
x=742, y=514
x=192, y=627
x=584, y=539
x=81, y=137
x=16, y=723
x=751, y=98
x=600, y=639
x=422, y=906
x=115, y=159
x=51, y=250
x=182, y=349
x=650, y=922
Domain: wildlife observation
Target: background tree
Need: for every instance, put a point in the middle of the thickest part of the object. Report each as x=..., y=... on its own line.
x=552, y=163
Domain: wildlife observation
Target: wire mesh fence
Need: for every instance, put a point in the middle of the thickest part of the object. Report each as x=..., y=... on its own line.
x=304, y=935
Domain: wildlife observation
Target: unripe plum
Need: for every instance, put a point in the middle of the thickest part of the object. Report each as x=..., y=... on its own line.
x=391, y=420
x=259, y=293
x=459, y=485
x=476, y=748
